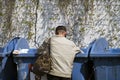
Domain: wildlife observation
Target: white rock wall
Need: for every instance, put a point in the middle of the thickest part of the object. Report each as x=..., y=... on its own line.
x=35, y=20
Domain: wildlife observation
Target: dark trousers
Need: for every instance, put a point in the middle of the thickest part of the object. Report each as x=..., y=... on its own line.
x=51, y=77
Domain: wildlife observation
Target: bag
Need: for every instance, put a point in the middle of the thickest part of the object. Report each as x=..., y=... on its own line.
x=43, y=62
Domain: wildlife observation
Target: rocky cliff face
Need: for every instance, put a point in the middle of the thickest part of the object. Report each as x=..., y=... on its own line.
x=35, y=20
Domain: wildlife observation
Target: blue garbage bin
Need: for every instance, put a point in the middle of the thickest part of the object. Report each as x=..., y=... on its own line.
x=8, y=67
x=22, y=68
x=82, y=66
x=78, y=72
x=24, y=59
x=105, y=60
x=106, y=66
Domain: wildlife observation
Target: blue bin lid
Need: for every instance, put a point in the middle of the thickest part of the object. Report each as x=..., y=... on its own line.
x=100, y=46
x=101, y=49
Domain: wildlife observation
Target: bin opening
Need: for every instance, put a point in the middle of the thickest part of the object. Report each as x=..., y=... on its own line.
x=87, y=70
x=10, y=69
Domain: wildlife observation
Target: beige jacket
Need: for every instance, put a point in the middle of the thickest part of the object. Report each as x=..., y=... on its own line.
x=62, y=53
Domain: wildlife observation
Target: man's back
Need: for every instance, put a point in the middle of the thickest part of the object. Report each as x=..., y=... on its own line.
x=62, y=52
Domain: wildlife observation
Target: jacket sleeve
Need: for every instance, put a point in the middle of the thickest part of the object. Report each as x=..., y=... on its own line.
x=77, y=49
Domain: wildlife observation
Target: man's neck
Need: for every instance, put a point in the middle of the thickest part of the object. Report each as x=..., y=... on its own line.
x=60, y=35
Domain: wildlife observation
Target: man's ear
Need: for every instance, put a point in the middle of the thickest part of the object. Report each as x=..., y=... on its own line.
x=65, y=33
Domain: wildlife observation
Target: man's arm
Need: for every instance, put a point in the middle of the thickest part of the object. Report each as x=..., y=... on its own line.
x=77, y=49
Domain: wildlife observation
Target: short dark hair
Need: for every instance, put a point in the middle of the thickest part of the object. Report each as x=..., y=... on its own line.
x=60, y=29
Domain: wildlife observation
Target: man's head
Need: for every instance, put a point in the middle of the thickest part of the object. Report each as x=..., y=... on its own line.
x=61, y=30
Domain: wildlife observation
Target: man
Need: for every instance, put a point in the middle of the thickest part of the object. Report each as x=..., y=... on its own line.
x=62, y=55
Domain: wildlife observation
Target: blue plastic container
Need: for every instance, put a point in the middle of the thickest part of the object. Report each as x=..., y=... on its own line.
x=22, y=68
x=82, y=65
x=106, y=61
x=78, y=72
x=107, y=67
x=8, y=67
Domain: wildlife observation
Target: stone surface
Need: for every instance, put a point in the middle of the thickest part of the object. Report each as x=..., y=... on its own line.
x=35, y=20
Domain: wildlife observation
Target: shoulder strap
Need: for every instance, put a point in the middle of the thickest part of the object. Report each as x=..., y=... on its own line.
x=49, y=42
